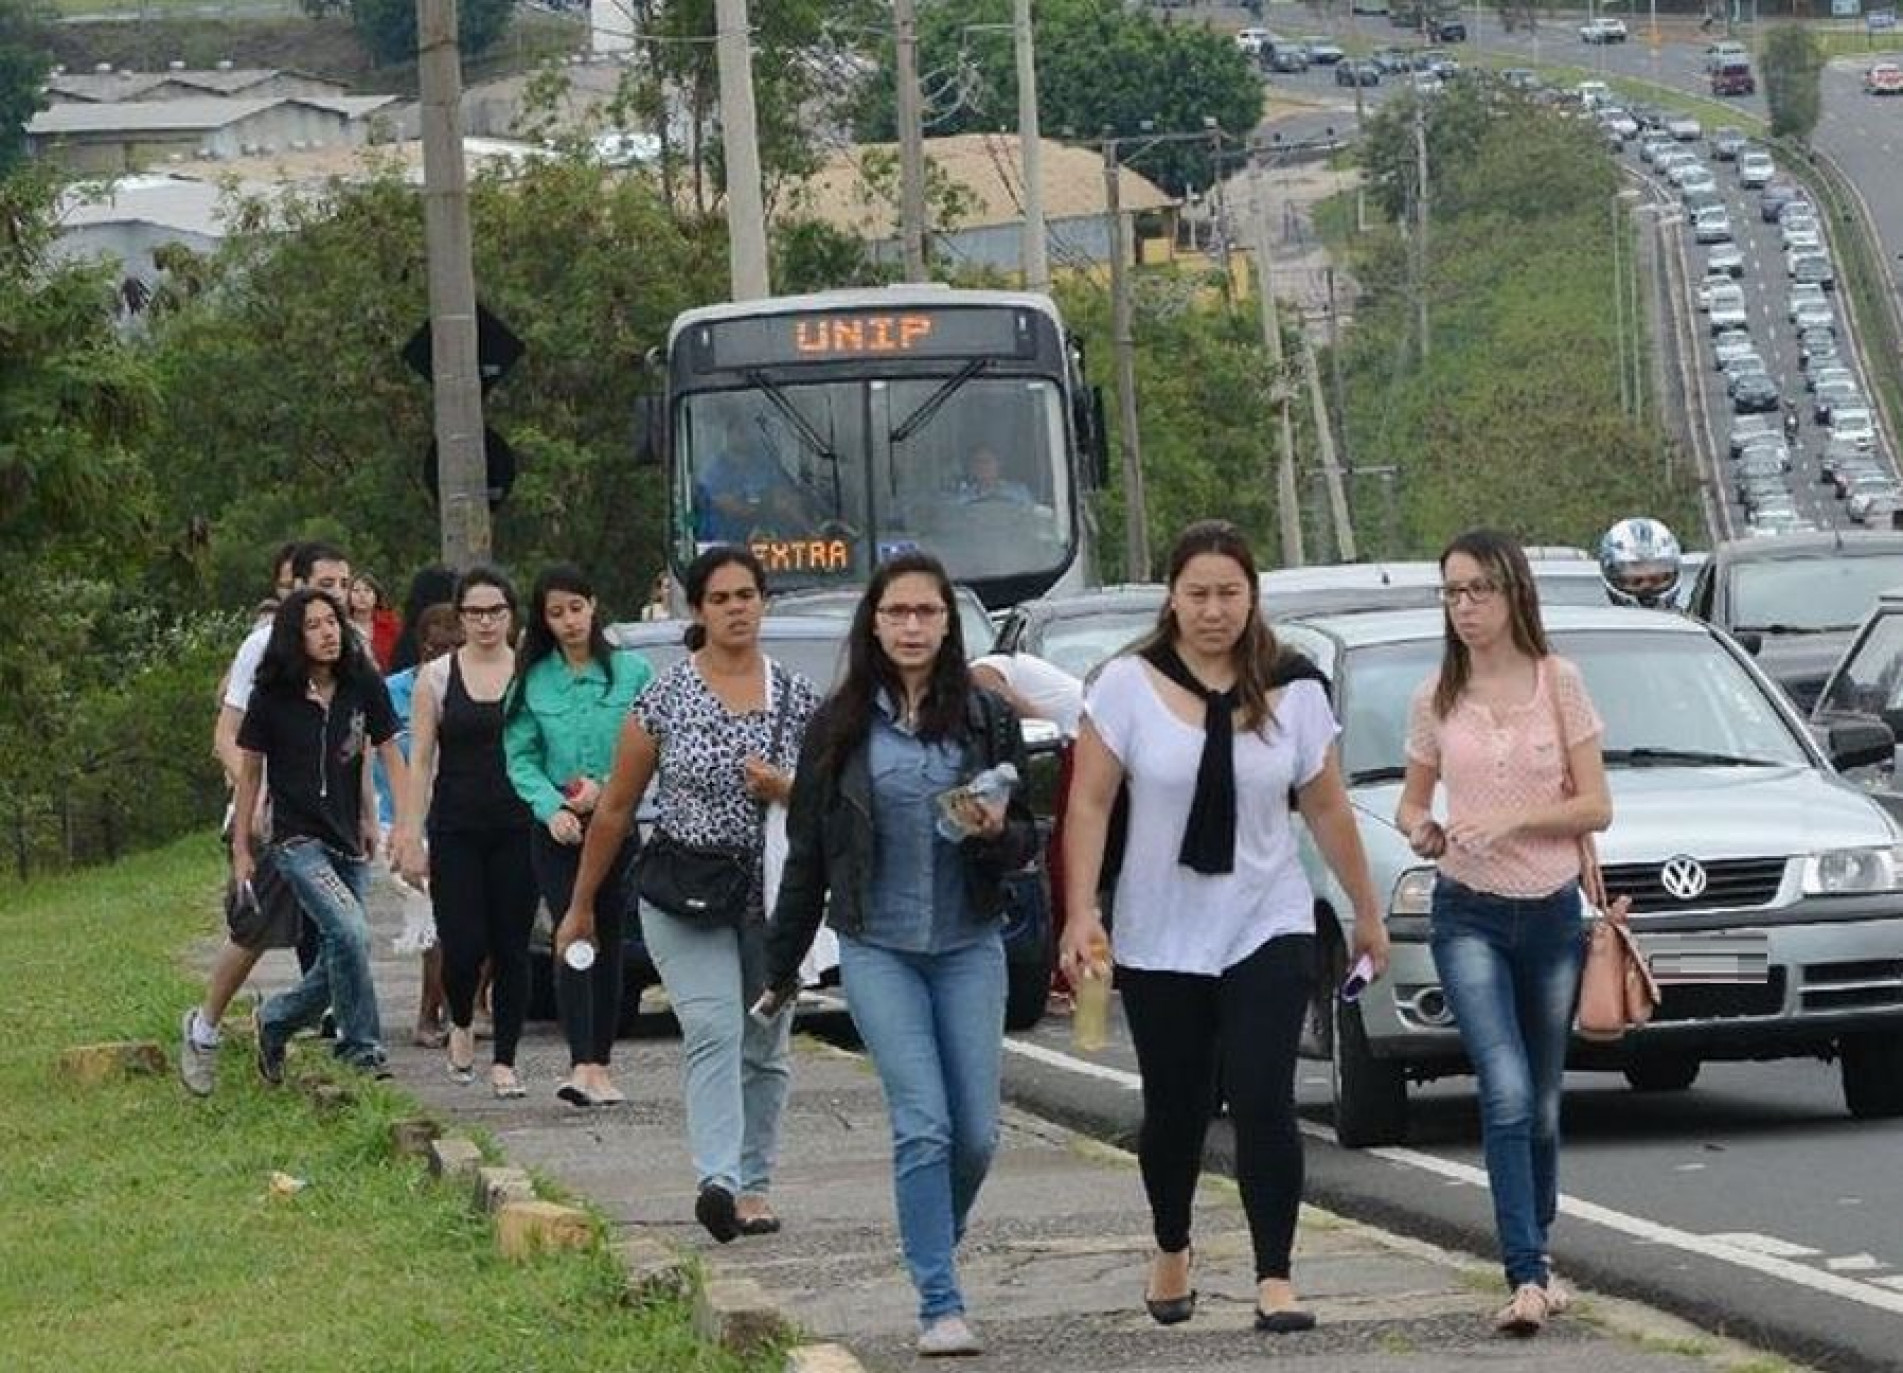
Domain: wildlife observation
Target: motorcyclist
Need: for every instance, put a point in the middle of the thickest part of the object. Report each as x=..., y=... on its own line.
x=1639, y=560
x=1790, y=421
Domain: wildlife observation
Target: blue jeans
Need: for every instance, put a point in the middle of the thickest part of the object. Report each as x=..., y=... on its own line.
x=934, y=1026
x=1510, y=967
x=734, y=1069
x=330, y=887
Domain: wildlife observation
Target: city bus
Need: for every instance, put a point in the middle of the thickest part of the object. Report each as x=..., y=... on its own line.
x=831, y=431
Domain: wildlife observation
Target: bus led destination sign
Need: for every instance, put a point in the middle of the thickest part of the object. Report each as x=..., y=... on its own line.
x=863, y=335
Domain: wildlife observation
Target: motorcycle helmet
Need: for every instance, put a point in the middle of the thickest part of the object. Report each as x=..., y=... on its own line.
x=1639, y=561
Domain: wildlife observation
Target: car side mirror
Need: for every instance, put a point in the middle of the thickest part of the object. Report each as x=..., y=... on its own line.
x=1859, y=742
x=647, y=431
x=1751, y=642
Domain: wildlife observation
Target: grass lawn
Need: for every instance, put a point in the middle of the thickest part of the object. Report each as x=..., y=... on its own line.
x=136, y=1227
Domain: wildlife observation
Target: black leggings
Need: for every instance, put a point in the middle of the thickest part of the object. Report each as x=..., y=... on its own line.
x=1245, y=1024
x=482, y=889
x=589, y=1003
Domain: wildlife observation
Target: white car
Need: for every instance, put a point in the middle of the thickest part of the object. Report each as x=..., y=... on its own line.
x=1727, y=311
x=1684, y=128
x=1702, y=292
x=1593, y=94
x=1696, y=181
x=1755, y=170
x=1615, y=120
x=1797, y=253
x=1854, y=424
x=1815, y=314
x=1602, y=31
x=1801, y=235
x=1251, y=41
x=1801, y=294
x=1727, y=258
x=1712, y=226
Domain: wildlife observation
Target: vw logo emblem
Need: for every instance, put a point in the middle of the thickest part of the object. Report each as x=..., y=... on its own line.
x=1683, y=877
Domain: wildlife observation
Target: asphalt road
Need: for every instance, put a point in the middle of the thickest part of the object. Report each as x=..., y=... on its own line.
x=1750, y=1203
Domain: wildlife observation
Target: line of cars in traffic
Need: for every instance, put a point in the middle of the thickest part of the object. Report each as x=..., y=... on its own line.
x=1425, y=67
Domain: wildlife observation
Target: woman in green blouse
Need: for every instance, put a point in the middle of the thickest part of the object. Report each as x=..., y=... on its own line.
x=565, y=709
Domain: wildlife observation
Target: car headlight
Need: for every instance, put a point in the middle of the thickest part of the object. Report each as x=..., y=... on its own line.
x=1413, y=893
x=1837, y=872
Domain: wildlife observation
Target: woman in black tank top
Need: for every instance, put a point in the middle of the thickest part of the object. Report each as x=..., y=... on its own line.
x=482, y=885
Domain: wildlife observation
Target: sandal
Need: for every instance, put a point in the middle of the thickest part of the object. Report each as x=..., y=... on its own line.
x=507, y=1088
x=466, y=1071
x=755, y=1217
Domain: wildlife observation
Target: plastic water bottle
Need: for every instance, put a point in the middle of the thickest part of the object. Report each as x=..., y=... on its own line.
x=990, y=788
x=1090, y=1002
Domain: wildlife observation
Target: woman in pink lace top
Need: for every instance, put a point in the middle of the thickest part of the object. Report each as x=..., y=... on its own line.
x=1507, y=731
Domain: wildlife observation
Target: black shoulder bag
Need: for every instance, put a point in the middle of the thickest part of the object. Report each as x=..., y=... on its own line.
x=707, y=884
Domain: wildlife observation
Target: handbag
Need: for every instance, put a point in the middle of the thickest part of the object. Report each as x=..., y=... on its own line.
x=707, y=884
x=1616, y=989
x=265, y=915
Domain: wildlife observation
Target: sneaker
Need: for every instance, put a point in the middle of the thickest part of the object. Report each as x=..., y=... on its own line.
x=948, y=1336
x=714, y=1209
x=197, y=1064
x=270, y=1060
x=1526, y=1313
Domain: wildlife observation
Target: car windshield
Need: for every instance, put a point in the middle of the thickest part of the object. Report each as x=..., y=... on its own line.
x=1811, y=594
x=1870, y=680
x=1665, y=699
x=1077, y=643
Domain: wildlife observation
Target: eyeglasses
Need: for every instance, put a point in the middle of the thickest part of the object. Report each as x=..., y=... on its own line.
x=1475, y=592
x=483, y=612
x=899, y=614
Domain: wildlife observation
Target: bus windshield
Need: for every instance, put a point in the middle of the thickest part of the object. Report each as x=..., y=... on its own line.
x=825, y=478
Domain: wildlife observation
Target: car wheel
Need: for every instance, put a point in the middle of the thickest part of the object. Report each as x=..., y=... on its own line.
x=1872, y=1068
x=1662, y=1072
x=1370, y=1094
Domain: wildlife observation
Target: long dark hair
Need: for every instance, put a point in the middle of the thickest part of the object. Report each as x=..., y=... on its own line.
x=538, y=641
x=868, y=671
x=1255, y=651
x=1504, y=561
x=701, y=571
x=433, y=584
x=285, y=669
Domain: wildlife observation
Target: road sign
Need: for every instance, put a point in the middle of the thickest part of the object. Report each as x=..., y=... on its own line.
x=1878, y=20
x=497, y=349
x=500, y=460
x=1845, y=9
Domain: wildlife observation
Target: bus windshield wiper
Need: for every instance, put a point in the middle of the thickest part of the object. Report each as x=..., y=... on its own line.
x=790, y=412
x=1666, y=757
x=1361, y=776
x=1777, y=627
x=922, y=416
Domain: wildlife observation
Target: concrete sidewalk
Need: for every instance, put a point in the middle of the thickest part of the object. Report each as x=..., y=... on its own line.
x=1053, y=1266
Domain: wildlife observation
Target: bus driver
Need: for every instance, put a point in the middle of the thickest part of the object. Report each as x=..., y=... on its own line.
x=743, y=491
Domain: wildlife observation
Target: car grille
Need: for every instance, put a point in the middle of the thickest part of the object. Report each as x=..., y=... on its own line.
x=1729, y=882
x=1857, y=986
x=1721, y=1000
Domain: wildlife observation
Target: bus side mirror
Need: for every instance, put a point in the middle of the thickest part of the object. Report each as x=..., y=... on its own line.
x=1099, y=440
x=647, y=431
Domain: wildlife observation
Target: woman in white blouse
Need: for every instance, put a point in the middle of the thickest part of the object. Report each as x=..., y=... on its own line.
x=1215, y=949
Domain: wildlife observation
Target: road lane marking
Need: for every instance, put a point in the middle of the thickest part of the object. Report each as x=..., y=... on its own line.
x=1766, y=1244
x=1855, y=1263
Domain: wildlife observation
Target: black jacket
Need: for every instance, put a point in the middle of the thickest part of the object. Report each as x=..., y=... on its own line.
x=830, y=838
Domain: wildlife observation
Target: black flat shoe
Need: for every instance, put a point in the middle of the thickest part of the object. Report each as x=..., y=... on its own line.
x=1172, y=1310
x=1285, y=1322
x=714, y=1209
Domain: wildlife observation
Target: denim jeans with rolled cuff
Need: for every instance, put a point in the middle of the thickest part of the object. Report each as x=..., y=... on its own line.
x=1510, y=968
x=933, y=1024
x=330, y=886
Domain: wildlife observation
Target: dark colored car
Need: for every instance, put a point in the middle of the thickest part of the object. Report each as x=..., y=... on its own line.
x=815, y=647
x=1447, y=28
x=1754, y=391
x=1777, y=193
x=1794, y=600
x=1357, y=72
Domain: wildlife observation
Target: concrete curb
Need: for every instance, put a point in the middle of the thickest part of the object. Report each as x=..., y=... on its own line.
x=822, y=1358
x=91, y=1064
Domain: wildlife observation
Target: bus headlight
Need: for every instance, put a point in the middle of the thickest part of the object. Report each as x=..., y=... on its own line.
x=1839, y=872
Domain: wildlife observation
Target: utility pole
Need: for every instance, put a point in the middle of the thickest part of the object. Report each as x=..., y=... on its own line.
x=462, y=468
x=1420, y=223
x=1136, y=520
x=911, y=142
x=1331, y=470
x=1287, y=498
x=740, y=144
x=1037, y=262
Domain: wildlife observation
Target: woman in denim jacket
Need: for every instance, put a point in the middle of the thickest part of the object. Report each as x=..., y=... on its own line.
x=917, y=914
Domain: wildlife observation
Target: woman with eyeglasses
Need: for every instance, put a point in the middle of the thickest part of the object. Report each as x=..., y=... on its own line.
x=1508, y=733
x=917, y=912
x=477, y=864
x=572, y=691
x=720, y=730
x=1215, y=952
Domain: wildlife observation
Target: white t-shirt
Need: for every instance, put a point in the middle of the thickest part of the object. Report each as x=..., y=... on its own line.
x=1050, y=692
x=1168, y=917
x=244, y=667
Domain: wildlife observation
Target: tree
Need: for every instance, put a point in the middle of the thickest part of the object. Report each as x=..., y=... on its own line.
x=388, y=27
x=1101, y=65
x=25, y=58
x=1793, y=65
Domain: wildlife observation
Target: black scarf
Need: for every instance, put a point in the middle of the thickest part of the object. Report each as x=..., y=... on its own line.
x=1209, y=839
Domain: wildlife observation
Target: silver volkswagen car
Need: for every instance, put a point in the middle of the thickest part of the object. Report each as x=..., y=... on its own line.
x=1767, y=891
